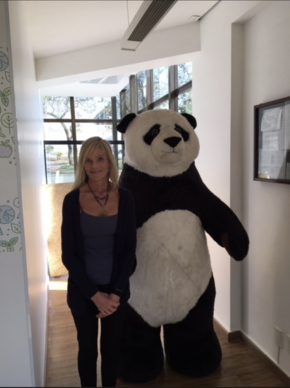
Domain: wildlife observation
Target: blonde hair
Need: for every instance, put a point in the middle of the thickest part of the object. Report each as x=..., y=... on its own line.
x=87, y=147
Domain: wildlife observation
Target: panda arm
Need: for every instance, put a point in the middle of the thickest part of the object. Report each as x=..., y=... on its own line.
x=222, y=224
x=217, y=219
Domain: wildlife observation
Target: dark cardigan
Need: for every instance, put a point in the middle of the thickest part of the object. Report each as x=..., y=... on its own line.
x=80, y=287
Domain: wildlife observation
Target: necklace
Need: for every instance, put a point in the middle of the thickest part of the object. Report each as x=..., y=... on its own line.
x=104, y=213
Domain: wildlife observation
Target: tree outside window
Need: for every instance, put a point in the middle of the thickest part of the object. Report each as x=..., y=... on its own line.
x=185, y=102
x=184, y=73
x=141, y=89
x=160, y=82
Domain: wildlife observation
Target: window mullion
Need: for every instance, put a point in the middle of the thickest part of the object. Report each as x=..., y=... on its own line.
x=183, y=88
x=45, y=162
x=172, y=83
x=133, y=94
x=73, y=118
x=149, y=88
x=159, y=101
x=114, y=129
x=57, y=120
x=74, y=131
x=123, y=102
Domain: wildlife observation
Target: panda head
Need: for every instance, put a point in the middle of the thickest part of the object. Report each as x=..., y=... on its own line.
x=160, y=143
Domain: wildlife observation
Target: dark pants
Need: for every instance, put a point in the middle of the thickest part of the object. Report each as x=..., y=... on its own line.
x=87, y=335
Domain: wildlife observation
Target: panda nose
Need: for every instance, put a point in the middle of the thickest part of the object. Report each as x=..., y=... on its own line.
x=172, y=141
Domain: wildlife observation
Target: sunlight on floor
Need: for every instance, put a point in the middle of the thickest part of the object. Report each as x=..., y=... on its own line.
x=58, y=283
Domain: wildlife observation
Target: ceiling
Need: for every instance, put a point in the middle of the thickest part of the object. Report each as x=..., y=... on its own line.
x=57, y=27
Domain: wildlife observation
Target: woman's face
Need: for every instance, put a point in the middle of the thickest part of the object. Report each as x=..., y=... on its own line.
x=96, y=165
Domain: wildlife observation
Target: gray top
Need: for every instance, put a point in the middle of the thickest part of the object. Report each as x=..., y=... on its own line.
x=98, y=235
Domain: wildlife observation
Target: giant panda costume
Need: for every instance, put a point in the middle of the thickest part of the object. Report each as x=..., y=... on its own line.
x=173, y=285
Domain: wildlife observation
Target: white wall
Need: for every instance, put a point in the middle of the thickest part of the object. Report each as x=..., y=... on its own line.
x=15, y=333
x=266, y=275
x=245, y=60
x=30, y=175
x=212, y=107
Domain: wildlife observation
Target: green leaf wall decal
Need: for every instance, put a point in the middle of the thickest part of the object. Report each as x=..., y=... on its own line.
x=15, y=228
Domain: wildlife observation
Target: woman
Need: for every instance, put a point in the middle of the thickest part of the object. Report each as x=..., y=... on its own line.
x=98, y=249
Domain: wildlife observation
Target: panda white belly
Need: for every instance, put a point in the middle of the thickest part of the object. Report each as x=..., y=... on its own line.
x=173, y=267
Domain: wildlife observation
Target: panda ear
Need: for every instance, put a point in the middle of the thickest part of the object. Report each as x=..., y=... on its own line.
x=123, y=125
x=190, y=119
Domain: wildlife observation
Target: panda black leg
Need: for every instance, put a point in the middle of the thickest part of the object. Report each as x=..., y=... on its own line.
x=191, y=346
x=191, y=357
x=142, y=357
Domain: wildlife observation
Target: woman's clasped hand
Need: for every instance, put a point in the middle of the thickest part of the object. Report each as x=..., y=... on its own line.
x=107, y=304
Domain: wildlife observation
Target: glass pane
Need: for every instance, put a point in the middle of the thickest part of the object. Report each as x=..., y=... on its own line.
x=57, y=131
x=127, y=97
x=119, y=136
x=163, y=105
x=185, y=102
x=118, y=151
x=141, y=87
x=184, y=73
x=160, y=82
x=60, y=166
x=96, y=108
x=56, y=107
x=59, y=163
x=86, y=130
x=273, y=131
x=118, y=107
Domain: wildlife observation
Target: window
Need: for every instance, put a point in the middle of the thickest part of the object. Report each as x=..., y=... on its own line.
x=185, y=102
x=162, y=105
x=160, y=82
x=118, y=107
x=159, y=88
x=68, y=122
x=184, y=73
x=57, y=107
x=141, y=89
x=93, y=108
x=125, y=105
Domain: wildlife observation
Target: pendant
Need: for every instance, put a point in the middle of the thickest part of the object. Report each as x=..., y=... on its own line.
x=104, y=213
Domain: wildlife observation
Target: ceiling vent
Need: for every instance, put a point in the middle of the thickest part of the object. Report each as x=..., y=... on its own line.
x=146, y=19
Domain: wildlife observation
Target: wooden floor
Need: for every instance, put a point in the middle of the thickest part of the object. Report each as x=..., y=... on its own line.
x=239, y=368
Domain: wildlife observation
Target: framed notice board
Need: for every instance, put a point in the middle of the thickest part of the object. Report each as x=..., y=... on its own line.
x=272, y=141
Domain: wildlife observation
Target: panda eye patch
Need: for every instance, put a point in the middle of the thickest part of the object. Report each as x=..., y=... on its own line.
x=183, y=133
x=151, y=134
x=154, y=132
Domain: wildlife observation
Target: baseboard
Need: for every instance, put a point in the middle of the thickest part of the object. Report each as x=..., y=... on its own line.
x=230, y=336
x=266, y=360
x=238, y=335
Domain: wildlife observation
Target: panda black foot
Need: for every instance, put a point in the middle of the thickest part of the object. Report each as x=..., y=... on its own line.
x=140, y=370
x=199, y=360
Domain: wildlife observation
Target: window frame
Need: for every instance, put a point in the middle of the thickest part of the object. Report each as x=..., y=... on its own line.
x=172, y=97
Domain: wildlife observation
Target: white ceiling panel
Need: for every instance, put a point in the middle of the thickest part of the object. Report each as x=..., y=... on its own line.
x=57, y=27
